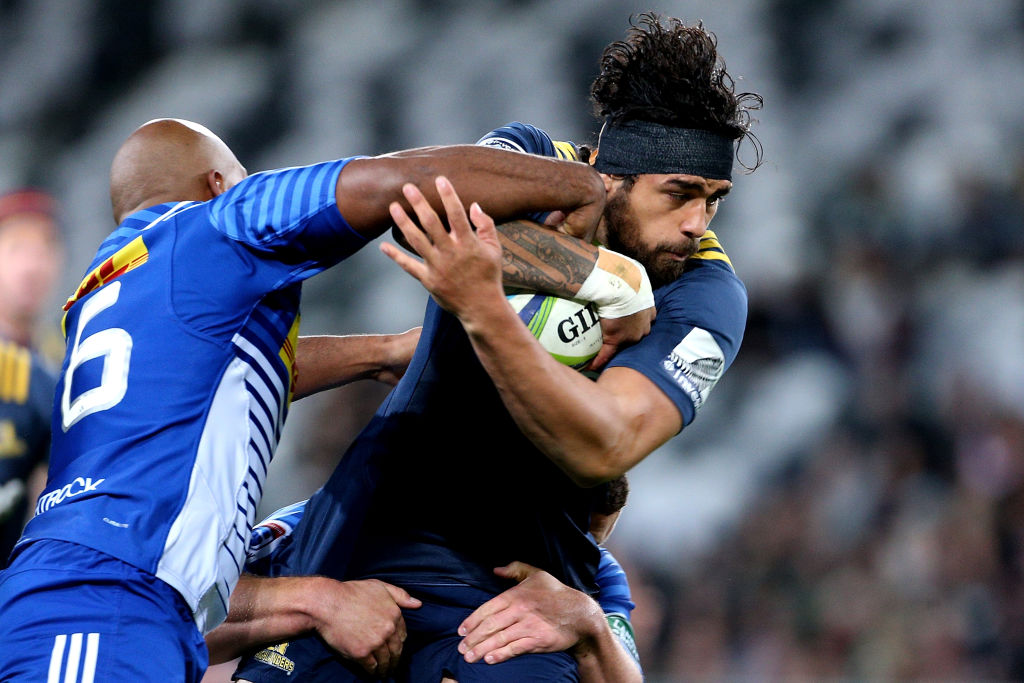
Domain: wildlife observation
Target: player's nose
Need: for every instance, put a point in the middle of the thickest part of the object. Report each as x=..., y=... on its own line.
x=694, y=221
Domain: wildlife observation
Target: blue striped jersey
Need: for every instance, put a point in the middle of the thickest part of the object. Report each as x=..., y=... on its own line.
x=616, y=600
x=178, y=375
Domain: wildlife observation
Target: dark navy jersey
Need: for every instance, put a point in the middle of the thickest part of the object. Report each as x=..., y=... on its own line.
x=270, y=545
x=695, y=338
x=178, y=377
x=26, y=401
x=442, y=486
x=271, y=540
x=701, y=316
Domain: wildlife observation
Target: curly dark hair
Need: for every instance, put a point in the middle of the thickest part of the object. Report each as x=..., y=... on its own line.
x=668, y=73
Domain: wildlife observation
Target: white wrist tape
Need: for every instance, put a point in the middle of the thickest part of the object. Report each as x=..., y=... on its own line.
x=612, y=295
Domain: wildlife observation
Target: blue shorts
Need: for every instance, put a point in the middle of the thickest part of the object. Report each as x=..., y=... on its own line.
x=74, y=614
x=430, y=651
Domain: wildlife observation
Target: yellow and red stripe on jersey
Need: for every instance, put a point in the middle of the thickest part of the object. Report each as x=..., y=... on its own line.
x=128, y=257
x=287, y=354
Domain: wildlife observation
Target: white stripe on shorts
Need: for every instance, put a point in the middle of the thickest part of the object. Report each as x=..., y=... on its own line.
x=74, y=650
x=92, y=648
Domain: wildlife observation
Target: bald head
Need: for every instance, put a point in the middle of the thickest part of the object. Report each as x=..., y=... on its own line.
x=168, y=160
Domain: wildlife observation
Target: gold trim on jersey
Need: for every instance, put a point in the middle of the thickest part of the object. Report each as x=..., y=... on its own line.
x=710, y=249
x=15, y=371
x=566, y=150
x=128, y=257
x=287, y=355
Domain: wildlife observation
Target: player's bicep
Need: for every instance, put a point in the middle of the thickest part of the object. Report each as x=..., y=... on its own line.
x=652, y=418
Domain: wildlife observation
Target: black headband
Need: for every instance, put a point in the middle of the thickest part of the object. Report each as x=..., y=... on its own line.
x=634, y=147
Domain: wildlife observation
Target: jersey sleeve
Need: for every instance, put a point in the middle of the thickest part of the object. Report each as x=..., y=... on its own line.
x=522, y=137
x=290, y=213
x=695, y=338
x=270, y=540
x=616, y=601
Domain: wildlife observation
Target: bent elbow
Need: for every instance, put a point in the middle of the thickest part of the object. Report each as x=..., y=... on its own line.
x=598, y=469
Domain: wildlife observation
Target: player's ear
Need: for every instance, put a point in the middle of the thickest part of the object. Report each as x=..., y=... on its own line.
x=215, y=181
x=604, y=176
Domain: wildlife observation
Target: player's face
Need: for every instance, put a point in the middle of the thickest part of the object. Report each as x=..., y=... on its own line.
x=660, y=219
x=30, y=258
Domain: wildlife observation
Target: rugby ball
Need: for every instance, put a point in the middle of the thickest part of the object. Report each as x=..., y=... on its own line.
x=568, y=329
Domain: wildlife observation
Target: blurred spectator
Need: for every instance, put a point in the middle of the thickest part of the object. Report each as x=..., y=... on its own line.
x=30, y=260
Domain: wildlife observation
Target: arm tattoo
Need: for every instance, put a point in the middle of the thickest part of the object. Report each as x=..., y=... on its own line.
x=542, y=259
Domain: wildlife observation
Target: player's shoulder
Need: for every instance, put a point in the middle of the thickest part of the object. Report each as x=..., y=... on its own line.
x=524, y=137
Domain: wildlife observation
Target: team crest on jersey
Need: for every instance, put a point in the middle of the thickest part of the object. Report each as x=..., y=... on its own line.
x=696, y=364
x=274, y=656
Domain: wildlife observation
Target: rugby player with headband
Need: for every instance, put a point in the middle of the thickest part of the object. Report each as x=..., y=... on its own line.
x=489, y=450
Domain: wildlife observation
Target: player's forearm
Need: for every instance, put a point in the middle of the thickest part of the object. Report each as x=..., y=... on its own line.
x=325, y=362
x=263, y=612
x=537, y=258
x=575, y=422
x=506, y=184
x=600, y=658
x=545, y=260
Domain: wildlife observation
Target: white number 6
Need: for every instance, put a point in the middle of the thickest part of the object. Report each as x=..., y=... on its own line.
x=114, y=345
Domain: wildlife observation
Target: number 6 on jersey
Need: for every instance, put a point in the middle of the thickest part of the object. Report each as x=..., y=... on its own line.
x=114, y=345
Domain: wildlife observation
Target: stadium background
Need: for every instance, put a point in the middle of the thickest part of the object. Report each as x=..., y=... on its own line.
x=851, y=501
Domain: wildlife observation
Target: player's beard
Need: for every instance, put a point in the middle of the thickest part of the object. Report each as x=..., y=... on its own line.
x=625, y=235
